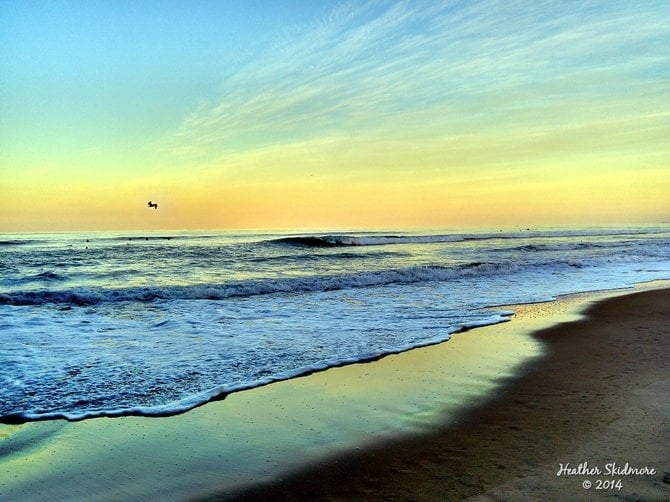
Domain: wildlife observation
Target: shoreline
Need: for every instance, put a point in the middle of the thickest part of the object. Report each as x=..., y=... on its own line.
x=18, y=419
x=599, y=396
x=304, y=433
x=507, y=313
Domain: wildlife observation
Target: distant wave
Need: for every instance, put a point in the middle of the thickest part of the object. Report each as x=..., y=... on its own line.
x=623, y=251
x=337, y=240
x=350, y=240
x=19, y=242
x=93, y=239
x=310, y=241
x=346, y=255
x=139, y=237
x=48, y=276
x=568, y=246
x=144, y=238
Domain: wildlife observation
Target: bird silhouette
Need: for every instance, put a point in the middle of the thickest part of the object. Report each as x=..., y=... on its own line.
x=152, y=204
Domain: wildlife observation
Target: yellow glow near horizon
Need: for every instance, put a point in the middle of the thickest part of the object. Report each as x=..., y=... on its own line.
x=372, y=117
x=561, y=193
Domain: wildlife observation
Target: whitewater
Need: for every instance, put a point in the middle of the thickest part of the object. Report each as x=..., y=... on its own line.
x=130, y=323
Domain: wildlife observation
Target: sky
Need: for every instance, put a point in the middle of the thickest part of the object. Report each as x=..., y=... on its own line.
x=302, y=114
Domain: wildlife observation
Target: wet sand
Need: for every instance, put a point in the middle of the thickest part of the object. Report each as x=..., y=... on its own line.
x=490, y=413
x=601, y=396
x=259, y=435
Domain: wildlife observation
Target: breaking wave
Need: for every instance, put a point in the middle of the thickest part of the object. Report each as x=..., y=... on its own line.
x=18, y=242
x=308, y=284
x=408, y=275
x=337, y=240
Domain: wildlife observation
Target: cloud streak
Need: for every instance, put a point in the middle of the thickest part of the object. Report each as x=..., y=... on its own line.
x=434, y=69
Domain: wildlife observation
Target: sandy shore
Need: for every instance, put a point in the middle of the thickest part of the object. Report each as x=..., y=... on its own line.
x=491, y=413
x=601, y=396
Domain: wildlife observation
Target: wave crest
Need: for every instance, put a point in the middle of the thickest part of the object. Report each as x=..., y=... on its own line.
x=408, y=275
x=335, y=240
x=351, y=240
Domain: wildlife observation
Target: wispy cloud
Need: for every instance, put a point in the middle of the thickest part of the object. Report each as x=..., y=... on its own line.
x=429, y=70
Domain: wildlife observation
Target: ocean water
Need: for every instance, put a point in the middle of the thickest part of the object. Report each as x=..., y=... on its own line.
x=108, y=324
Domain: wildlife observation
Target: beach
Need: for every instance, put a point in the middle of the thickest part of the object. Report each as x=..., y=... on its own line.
x=600, y=396
x=585, y=387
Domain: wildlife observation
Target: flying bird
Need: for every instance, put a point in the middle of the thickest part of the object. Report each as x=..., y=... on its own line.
x=152, y=204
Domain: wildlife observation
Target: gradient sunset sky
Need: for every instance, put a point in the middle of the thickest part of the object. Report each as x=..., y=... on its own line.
x=297, y=114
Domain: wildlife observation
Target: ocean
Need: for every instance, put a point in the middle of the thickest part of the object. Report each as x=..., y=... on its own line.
x=155, y=323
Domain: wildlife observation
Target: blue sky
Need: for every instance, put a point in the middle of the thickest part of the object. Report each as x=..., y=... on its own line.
x=519, y=97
